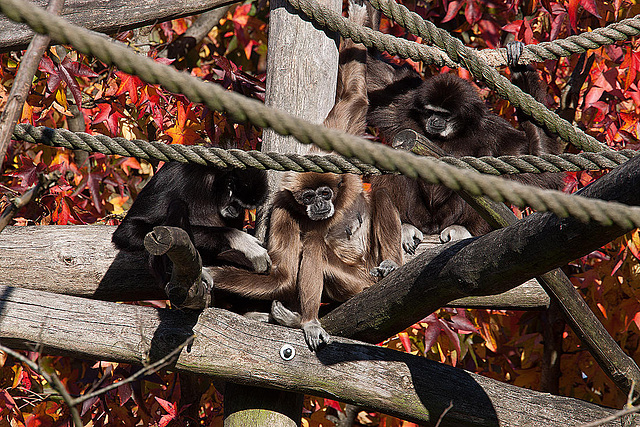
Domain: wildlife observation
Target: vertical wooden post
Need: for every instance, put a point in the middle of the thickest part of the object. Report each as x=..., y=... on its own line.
x=302, y=70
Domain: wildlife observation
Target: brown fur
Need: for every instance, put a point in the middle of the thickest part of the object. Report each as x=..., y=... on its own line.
x=332, y=257
x=396, y=97
x=315, y=258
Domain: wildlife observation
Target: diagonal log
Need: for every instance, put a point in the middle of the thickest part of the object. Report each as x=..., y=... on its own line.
x=243, y=351
x=485, y=265
x=614, y=362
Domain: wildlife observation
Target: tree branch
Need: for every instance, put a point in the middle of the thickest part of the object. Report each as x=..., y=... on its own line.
x=22, y=83
x=108, y=16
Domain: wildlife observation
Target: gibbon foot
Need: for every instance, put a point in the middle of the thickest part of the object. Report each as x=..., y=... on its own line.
x=315, y=336
x=384, y=269
x=411, y=238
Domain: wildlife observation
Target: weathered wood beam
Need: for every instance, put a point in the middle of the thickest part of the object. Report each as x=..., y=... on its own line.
x=243, y=351
x=80, y=260
x=109, y=16
x=485, y=265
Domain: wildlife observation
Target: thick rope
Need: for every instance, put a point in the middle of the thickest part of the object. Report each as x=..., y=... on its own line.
x=218, y=157
x=454, y=48
x=243, y=109
x=211, y=156
x=599, y=37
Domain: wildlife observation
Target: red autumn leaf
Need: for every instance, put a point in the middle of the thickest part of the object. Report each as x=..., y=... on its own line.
x=406, y=342
x=150, y=104
x=572, y=10
x=129, y=85
x=6, y=401
x=332, y=404
x=452, y=10
x=179, y=26
x=39, y=421
x=66, y=71
x=632, y=63
x=93, y=184
x=241, y=15
x=433, y=331
x=556, y=25
x=513, y=27
x=591, y=7
x=109, y=116
x=453, y=336
x=636, y=319
x=472, y=12
x=170, y=408
x=462, y=325
x=547, y=5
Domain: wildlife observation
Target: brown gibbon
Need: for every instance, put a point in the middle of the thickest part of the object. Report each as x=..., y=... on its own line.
x=327, y=237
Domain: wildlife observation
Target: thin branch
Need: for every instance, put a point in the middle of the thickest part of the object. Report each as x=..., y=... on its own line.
x=53, y=380
x=154, y=367
x=44, y=182
x=22, y=83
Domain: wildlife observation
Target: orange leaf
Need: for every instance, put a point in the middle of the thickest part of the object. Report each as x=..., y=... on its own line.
x=573, y=13
x=636, y=319
x=602, y=309
x=129, y=84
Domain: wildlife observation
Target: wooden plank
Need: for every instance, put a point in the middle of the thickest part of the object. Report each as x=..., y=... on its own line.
x=243, y=351
x=107, y=16
x=80, y=260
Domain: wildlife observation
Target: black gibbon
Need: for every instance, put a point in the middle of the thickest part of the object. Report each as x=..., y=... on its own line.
x=449, y=111
x=208, y=203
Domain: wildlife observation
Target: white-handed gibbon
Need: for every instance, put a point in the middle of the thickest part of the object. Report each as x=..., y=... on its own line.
x=327, y=237
x=449, y=111
x=208, y=203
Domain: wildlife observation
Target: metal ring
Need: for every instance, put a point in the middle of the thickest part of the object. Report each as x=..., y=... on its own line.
x=287, y=352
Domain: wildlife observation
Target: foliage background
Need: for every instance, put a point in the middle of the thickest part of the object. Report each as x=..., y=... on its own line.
x=504, y=345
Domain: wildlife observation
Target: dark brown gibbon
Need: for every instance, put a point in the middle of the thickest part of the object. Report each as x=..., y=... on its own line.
x=449, y=111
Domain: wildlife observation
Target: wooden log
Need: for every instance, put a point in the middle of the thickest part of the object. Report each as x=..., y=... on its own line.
x=243, y=351
x=74, y=260
x=484, y=265
x=302, y=71
x=108, y=16
x=80, y=260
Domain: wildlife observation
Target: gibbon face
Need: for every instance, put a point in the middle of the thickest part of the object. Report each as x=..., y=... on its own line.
x=318, y=202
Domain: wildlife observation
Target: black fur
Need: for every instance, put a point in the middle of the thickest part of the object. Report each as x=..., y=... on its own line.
x=207, y=202
x=397, y=100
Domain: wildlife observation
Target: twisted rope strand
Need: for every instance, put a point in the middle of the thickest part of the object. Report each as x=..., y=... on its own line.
x=618, y=31
x=244, y=109
x=469, y=59
x=502, y=165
